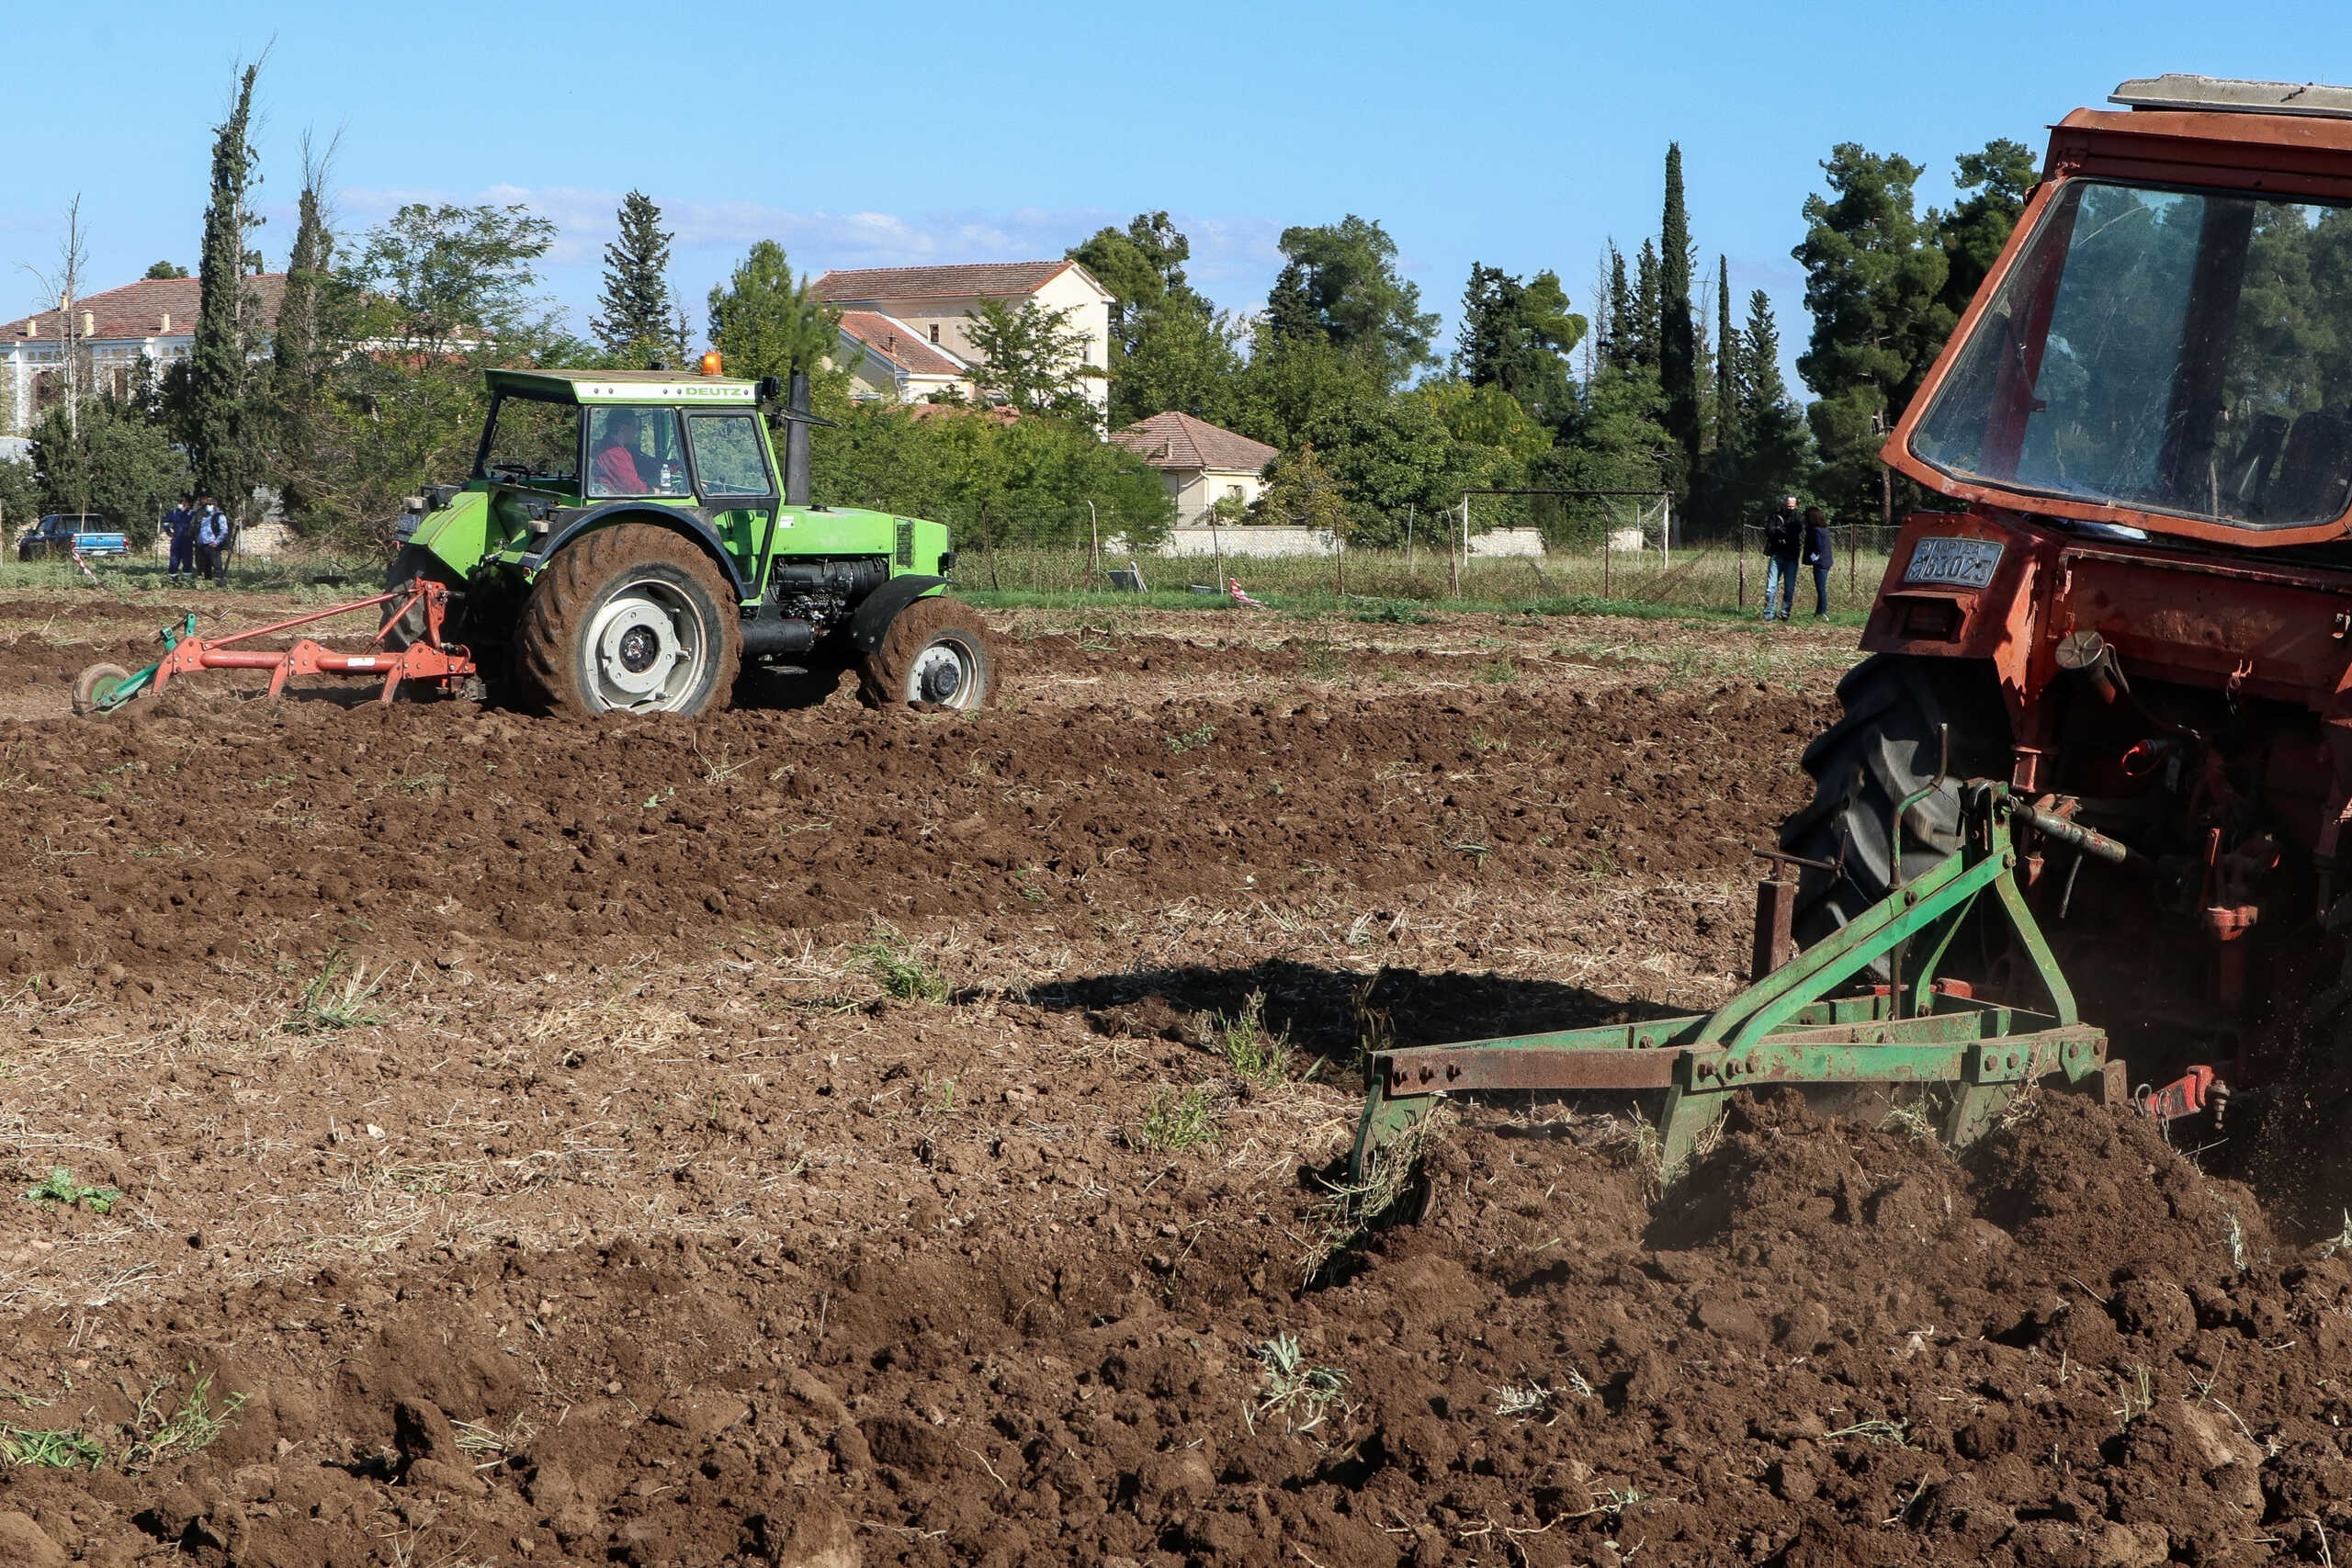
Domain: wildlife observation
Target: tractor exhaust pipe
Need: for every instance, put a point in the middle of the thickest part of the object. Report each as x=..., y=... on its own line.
x=795, y=441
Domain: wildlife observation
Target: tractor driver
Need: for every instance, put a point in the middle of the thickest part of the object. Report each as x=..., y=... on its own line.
x=615, y=469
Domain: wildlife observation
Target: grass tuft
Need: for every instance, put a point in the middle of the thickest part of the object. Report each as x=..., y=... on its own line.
x=50, y=1450
x=1255, y=1052
x=1174, y=1123
x=334, y=1000
x=194, y=1427
x=894, y=965
x=1347, y=1211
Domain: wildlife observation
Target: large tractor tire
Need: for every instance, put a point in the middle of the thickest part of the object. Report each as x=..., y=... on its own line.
x=1900, y=711
x=631, y=618
x=936, y=653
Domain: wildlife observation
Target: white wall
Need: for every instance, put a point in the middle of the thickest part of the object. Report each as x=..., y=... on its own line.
x=1266, y=539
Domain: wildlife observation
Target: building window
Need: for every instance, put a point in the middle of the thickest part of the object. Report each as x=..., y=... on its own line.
x=934, y=331
x=1233, y=492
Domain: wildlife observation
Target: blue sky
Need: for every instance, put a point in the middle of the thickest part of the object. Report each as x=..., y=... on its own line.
x=1519, y=135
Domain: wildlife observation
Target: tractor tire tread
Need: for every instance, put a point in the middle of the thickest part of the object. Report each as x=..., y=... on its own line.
x=544, y=641
x=882, y=674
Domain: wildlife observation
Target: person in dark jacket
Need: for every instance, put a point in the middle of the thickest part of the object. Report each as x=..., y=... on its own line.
x=1817, y=555
x=179, y=528
x=1783, y=544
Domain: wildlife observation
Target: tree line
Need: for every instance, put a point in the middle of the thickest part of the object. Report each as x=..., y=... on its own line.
x=367, y=384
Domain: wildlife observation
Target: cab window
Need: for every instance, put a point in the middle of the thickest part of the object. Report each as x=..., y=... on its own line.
x=730, y=454
x=635, y=452
x=532, y=443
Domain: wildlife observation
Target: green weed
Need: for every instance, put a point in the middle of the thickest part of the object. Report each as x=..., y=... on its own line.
x=906, y=978
x=1192, y=740
x=1320, y=660
x=60, y=1188
x=50, y=1450
x=1254, y=1051
x=332, y=999
x=1174, y=1123
x=193, y=1427
x=1288, y=1386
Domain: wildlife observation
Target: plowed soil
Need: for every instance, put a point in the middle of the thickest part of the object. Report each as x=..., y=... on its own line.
x=811, y=1137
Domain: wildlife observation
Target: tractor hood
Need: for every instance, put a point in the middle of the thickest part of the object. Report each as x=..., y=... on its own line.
x=2166, y=342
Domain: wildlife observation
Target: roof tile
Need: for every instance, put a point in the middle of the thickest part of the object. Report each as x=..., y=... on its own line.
x=976, y=280
x=901, y=344
x=1174, y=440
x=137, y=309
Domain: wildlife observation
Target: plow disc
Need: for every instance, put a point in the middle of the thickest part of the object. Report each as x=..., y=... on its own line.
x=1790, y=1029
x=102, y=688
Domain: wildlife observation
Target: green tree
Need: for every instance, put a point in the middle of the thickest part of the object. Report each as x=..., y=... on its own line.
x=1622, y=350
x=1340, y=285
x=1182, y=356
x=1973, y=232
x=1728, y=438
x=1518, y=337
x=1775, y=454
x=1031, y=359
x=1677, y=348
x=310, y=327
x=637, y=317
x=1873, y=281
x=121, y=466
x=764, y=322
x=1646, y=310
x=215, y=408
x=1170, y=347
x=164, y=269
x=444, y=280
x=1302, y=493
x=19, y=496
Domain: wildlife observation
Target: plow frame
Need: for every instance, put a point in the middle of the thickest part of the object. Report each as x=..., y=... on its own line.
x=1787, y=1028
x=426, y=659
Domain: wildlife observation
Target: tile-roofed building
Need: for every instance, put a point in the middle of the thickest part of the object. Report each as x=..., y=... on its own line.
x=884, y=352
x=155, y=317
x=1200, y=463
x=937, y=303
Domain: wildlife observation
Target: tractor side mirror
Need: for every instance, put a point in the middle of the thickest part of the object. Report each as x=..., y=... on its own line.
x=771, y=388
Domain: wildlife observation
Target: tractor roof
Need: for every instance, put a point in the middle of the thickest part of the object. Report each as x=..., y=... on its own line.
x=623, y=387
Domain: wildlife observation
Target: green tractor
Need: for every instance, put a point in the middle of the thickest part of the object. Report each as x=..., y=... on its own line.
x=627, y=540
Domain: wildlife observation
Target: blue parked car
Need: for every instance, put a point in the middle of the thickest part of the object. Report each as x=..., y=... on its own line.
x=63, y=533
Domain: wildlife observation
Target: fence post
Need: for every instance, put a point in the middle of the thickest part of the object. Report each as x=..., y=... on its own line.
x=1605, y=532
x=1094, y=545
x=1217, y=549
x=1853, y=548
x=1739, y=531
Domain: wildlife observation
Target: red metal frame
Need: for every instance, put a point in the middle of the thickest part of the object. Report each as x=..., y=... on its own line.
x=426, y=659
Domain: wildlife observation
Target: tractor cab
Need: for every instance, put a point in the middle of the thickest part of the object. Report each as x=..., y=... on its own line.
x=2166, y=345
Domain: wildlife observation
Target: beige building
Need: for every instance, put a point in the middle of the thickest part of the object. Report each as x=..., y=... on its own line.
x=906, y=330
x=154, y=319
x=1200, y=463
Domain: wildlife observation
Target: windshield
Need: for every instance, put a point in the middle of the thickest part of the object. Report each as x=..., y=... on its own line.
x=534, y=443
x=2177, y=351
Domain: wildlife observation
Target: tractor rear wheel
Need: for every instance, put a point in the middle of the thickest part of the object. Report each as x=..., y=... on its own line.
x=1901, y=713
x=631, y=618
x=935, y=653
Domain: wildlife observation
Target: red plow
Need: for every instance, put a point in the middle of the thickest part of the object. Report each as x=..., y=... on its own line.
x=424, y=655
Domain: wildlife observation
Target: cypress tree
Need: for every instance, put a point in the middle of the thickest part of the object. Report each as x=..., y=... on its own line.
x=1677, y=349
x=1727, y=429
x=219, y=357
x=1622, y=332
x=637, y=309
x=297, y=351
x=1773, y=456
x=1647, y=311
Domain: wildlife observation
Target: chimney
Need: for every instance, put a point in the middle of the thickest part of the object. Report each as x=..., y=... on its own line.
x=32, y=326
x=166, y=324
x=89, y=324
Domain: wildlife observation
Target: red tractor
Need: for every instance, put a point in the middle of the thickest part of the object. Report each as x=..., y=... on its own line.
x=2138, y=612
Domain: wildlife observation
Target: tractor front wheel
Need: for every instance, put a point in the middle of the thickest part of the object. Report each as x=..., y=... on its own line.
x=631, y=618
x=1906, y=719
x=935, y=653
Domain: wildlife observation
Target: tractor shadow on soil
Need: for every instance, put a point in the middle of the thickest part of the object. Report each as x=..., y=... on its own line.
x=1332, y=1014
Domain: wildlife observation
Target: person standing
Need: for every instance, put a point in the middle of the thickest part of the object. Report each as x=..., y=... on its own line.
x=1783, y=543
x=211, y=533
x=1817, y=555
x=179, y=532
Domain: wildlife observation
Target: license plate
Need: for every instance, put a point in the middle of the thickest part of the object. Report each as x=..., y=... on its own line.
x=1962, y=563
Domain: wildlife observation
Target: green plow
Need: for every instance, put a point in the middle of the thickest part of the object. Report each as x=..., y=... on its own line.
x=1791, y=1026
